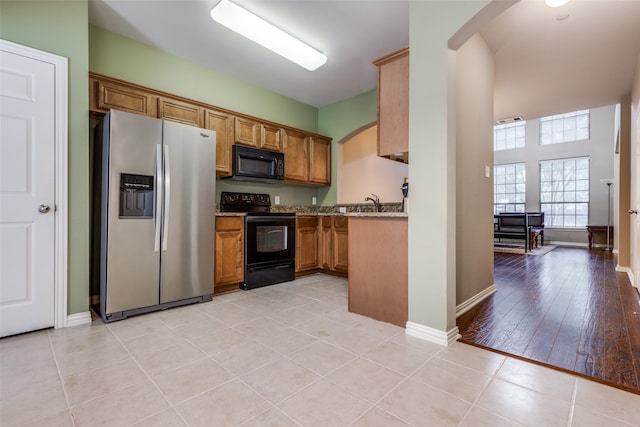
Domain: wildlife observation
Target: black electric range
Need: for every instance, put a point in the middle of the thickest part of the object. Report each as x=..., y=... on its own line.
x=269, y=239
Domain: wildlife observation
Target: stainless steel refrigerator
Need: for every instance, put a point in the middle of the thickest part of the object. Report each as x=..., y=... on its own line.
x=153, y=214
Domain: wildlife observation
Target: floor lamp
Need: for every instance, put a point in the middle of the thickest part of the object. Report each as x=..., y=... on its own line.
x=609, y=182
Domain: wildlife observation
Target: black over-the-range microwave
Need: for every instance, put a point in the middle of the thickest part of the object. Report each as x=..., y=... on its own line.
x=253, y=164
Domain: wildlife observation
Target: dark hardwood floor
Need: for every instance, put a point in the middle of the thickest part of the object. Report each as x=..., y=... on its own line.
x=568, y=309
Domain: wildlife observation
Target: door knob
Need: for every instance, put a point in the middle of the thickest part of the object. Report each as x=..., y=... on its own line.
x=44, y=208
x=633, y=211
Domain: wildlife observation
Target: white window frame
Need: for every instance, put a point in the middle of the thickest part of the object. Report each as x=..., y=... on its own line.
x=509, y=185
x=509, y=136
x=564, y=187
x=567, y=127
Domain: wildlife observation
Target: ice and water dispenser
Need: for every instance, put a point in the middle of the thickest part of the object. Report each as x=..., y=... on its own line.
x=136, y=196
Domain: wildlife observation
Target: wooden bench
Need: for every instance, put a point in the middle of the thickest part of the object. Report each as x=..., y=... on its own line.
x=520, y=226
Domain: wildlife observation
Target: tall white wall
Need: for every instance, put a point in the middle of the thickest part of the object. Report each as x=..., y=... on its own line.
x=599, y=148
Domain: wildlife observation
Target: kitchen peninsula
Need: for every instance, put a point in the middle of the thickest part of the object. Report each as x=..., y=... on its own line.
x=378, y=266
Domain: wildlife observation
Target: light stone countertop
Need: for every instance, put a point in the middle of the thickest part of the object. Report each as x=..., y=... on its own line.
x=351, y=214
x=378, y=214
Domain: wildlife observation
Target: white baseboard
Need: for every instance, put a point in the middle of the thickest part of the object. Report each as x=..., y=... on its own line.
x=77, y=319
x=622, y=269
x=467, y=305
x=432, y=335
x=576, y=244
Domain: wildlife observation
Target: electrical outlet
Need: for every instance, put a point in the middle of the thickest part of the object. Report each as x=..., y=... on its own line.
x=277, y=200
x=314, y=201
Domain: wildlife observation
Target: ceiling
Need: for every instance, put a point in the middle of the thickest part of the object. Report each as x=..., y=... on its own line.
x=543, y=65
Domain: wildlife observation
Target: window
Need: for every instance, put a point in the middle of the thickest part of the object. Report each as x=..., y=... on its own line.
x=564, y=192
x=564, y=127
x=508, y=136
x=509, y=188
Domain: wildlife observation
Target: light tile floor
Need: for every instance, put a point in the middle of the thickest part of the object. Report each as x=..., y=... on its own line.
x=284, y=355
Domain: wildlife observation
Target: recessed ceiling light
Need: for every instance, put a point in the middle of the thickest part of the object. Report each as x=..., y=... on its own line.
x=260, y=31
x=556, y=3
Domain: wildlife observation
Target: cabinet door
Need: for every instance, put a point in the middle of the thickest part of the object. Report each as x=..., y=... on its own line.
x=178, y=111
x=340, y=239
x=121, y=97
x=296, y=156
x=229, y=262
x=326, y=246
x=270, y=137
x=320, y=161
x=222, y=124
x=393, y=104
x=246, y=132
x=306, y=243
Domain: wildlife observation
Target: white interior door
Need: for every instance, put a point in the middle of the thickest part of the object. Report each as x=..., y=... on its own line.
x=27, y=196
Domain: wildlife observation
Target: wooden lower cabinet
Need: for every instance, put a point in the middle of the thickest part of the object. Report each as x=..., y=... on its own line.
x=326, y=247
x=340, y=244
x=322, y=244
x=229, y=262
x=306, y=243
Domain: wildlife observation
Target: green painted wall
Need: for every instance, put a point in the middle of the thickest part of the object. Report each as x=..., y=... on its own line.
x=128, y=60
x=339, y=120
x=60, y=28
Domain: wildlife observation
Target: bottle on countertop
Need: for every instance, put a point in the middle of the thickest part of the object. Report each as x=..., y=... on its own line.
x=405, y=194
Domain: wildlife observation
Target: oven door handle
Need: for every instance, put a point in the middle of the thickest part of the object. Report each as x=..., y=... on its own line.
x=271, y=267
x=270, y=218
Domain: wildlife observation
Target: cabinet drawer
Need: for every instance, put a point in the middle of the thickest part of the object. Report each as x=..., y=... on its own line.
x=307, y=221
x=340, y=221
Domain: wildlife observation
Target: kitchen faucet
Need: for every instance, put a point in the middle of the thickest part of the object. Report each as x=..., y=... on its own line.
x=376, y=201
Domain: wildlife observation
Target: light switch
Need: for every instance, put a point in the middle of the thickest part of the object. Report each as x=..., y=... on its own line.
x=487, y=172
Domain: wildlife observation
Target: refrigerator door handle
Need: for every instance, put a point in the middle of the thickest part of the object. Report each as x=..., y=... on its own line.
x=157, y=208
x=167, y=198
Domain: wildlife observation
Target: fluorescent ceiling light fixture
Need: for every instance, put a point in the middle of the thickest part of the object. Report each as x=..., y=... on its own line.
x=258, y=30
x=556, y=3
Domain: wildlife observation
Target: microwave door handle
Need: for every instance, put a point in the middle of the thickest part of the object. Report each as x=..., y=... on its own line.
x=167, y=199
x=157, y=207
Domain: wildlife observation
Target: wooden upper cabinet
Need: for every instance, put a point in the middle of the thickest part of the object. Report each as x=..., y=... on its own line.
x=296, y=156
x=307, y=155
x=105, y=95
x=320, y=161
x=246, y=132
x=270, y=137
x=178, y=111
x=222, y=124
x=393, y=105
